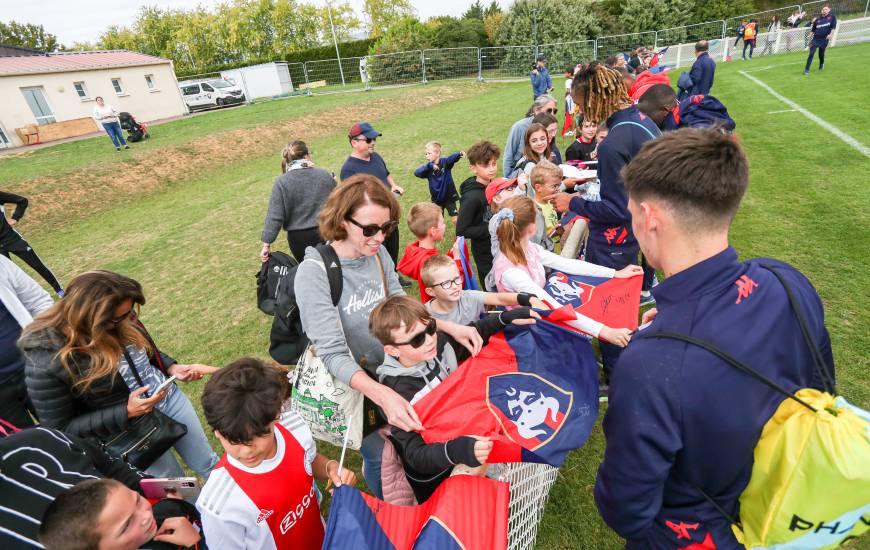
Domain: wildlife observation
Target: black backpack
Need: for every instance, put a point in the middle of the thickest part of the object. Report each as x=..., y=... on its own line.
x=276, y=296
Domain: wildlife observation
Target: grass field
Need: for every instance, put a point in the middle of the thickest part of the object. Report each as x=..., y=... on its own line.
x=182, y=212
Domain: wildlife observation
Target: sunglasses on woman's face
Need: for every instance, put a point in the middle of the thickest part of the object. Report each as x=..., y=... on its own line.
x=420, y=338
x=552, y=111
x=372, y=229
x=129, y=315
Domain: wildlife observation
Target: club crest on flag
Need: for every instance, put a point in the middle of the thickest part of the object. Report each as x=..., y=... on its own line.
x=530, y=409
x=569, y=291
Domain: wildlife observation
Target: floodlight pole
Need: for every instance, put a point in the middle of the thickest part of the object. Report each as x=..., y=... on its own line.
x=535, y=31
x=335, y=40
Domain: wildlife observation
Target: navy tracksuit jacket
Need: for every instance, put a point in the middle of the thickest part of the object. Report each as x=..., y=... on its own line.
x=679, y=413
x=611, y=242
x=702, y=73
x=822, y=28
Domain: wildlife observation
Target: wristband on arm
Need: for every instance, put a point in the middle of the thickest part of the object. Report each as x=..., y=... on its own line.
x=524, y=299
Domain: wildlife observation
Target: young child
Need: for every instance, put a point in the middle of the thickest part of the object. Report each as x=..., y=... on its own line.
x=536, y=146
x=584, y=146
x=568, y=126
x=427, y=223
x=471, y=224
x=449, y=302
x=437, y=171
x=498, y=191
x=521, y=265
x=266, y=448
x=416, y=359
x=546, y=179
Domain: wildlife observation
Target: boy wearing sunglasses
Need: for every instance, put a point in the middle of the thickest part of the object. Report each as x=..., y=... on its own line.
x=449, y=302
x=416, y=359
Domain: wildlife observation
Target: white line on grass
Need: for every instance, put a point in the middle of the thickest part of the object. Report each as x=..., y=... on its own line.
x=849, y=140
x=783, y=111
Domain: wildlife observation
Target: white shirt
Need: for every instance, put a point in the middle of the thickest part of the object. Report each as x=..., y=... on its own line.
x=517, y=280
x=105, y=114
x=229, y=516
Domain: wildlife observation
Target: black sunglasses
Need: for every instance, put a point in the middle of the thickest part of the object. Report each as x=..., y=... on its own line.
x=552, y=111
x=372, y=229
x=420, y=338
x=366, y=139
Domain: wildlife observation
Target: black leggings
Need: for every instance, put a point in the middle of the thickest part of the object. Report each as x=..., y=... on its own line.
x=301, y=239
x=20, y=248
x=391, y=243
x=748, y=44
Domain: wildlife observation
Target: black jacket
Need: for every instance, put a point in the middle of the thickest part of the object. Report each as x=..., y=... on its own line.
x=471, y=224
x=97, y=413
x=7, y=233
x=37, y=465
x=428, y=464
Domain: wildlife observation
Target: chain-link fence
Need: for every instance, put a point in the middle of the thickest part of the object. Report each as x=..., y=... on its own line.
x=624, y=43
x=781, y=30
x=451, y=63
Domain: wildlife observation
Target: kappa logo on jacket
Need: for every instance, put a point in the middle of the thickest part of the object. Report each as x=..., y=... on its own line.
x=745, y=286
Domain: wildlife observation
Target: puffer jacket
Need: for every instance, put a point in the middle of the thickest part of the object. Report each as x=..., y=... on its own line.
x=99, y=412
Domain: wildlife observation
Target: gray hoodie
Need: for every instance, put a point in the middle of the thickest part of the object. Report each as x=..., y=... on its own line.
x=341, y=334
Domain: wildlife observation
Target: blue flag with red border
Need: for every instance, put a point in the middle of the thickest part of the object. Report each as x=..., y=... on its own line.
x=464, y=513
x=532, y=389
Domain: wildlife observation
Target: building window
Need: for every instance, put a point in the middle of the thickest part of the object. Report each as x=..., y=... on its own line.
x=81, y=90
x=116, y=83
x=4, y=141
x=35, y=98
x=149, y=81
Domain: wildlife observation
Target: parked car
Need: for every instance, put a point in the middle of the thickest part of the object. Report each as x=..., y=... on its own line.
x=210, y=93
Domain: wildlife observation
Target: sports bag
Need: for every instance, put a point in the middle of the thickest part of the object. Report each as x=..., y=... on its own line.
x=275, y=284
x=810, y=482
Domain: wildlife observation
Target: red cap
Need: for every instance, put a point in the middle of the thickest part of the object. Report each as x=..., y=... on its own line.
x=497, y=185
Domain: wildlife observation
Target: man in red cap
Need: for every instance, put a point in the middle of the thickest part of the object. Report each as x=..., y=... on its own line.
x=364, y=160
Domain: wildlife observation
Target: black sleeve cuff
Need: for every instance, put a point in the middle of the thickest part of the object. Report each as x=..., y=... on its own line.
x=461, y=451
x=511, y=315
x=524, y=299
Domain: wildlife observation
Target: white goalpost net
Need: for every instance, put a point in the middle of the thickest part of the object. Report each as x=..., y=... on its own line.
x=529, y=489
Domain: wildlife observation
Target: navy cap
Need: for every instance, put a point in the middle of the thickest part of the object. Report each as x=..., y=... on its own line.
x=363, y=129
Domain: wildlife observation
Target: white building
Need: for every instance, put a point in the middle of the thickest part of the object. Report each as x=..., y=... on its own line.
x=264, y=80
x=51, y=96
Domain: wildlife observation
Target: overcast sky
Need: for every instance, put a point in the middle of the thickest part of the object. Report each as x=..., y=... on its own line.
x=84, y=20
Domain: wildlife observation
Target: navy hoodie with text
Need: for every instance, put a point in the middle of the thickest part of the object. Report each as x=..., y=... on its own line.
x=609, y=219
x=678, y=415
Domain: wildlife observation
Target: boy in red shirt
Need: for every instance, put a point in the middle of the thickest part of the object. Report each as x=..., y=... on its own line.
x=427, y=224
x=267, y=448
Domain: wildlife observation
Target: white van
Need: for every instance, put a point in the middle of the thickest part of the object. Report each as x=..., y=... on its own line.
x=210, y=93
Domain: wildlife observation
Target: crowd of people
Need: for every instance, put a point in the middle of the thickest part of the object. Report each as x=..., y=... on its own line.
x=680, y=424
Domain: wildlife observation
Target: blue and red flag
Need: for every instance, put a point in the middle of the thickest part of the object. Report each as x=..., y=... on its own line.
x=465, y=512
x=613, y=302
x=533, y=389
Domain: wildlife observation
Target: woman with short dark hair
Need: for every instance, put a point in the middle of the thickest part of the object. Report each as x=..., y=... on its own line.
x=90, y=365
x=298, y=194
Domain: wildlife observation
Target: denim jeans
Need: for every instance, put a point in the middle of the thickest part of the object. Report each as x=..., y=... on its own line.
x=372, y=449
x=115, y=133
x=194, y=447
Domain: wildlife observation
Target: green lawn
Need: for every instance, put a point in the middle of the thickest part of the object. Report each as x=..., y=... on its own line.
x=183, y=212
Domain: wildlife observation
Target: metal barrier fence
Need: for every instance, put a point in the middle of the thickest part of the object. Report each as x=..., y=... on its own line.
x=775, y=35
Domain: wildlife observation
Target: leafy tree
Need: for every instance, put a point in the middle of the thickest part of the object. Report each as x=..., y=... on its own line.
x=383, y=14
x=118, y=38
x=492, y=9
x=474, y=11
x=406, y=34
x=456, y=33
x=344, y=20
x=651, y=15
x=491, y=24
x=714, y=10
x=550, y=21
x=27, y=35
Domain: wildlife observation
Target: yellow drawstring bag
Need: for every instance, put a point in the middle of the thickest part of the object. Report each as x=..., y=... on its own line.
x=810, y=482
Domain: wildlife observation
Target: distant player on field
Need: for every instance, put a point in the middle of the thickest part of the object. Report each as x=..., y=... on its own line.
x=822, y=28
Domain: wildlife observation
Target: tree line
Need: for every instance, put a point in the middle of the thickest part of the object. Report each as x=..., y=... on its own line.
x=242, y=31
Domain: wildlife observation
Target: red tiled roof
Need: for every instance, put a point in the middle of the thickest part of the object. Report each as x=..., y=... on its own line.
x=74, y=61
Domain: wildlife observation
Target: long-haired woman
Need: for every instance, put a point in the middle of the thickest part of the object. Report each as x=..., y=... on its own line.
x=80, y=358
